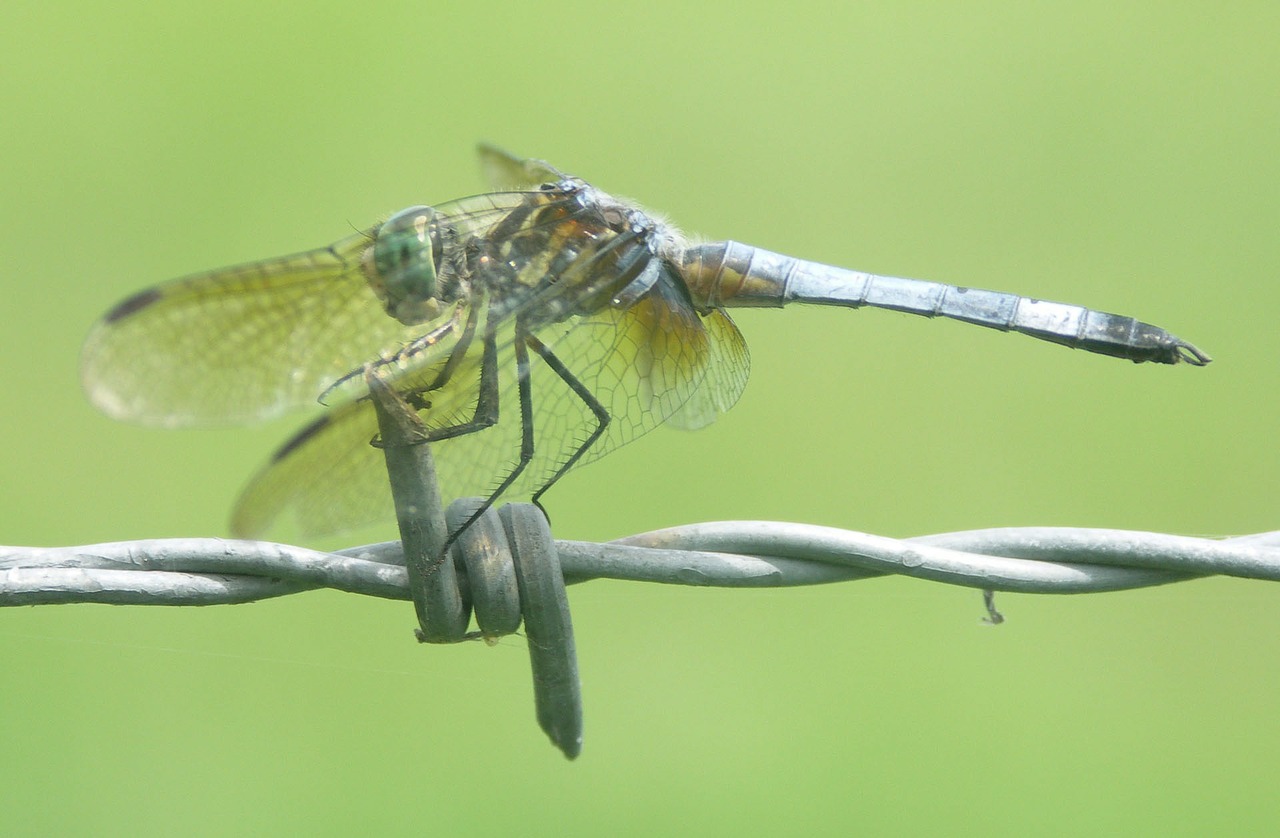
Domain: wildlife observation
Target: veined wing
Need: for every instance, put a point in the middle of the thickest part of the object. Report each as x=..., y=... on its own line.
x=726, y=376
x=252, y=341
x=339, y=446
x=643, y=364
x=656, y=362
x=236, y=344
x=504, y=170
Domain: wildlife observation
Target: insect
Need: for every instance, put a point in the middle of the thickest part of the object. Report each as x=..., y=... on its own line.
x=534, y=329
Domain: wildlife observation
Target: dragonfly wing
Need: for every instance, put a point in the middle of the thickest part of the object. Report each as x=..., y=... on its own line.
x=726, y=376
x=642, y=364
x=249, y=342
x=503, y=170
x=329, y=478
x=238, y=344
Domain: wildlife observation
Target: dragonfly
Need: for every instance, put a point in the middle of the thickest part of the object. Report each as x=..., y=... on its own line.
x=534, y=329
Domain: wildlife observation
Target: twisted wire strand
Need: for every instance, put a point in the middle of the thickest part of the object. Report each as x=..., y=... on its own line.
x=506, y=569
x=1047, y=560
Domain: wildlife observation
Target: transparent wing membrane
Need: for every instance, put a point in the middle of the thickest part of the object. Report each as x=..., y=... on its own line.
x=238, y=344
x=253, y=341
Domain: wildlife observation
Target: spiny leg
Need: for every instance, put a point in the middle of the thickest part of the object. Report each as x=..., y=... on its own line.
x=485, y=416
x=525, y=394
x=588, y=398
x=630, y=265
x=486, y=413
x=417, y=345
x=460, y=351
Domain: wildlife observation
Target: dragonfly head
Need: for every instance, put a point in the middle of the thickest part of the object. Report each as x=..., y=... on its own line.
x=400, y=265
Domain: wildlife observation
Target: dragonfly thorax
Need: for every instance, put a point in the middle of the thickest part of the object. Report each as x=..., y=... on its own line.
x=639, y=245
x=401, y=265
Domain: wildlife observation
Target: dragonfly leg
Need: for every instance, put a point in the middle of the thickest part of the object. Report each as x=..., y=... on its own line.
x=521, y=347
x=588, y=398
x=460, y=351
x=415, y=346
x=486, y=414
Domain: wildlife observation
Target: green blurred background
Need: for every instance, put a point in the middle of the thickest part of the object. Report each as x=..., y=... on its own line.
x=1117, y=155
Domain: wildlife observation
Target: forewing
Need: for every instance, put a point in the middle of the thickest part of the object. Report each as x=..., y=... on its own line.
x=249, y=342
x=503, y=170
x=238, y=344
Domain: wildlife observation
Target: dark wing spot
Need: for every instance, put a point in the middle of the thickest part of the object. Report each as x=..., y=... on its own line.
x=132, y=305
x=300, y=437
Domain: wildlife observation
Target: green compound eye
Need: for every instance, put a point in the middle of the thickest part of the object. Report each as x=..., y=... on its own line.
x=404, y=259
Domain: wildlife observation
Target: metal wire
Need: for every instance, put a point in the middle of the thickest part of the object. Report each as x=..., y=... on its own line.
x=507, y=569
x=735, y=554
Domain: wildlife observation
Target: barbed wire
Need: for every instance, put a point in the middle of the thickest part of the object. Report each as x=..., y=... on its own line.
x=736, y=554
x=502, y=567
x=732, y=554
